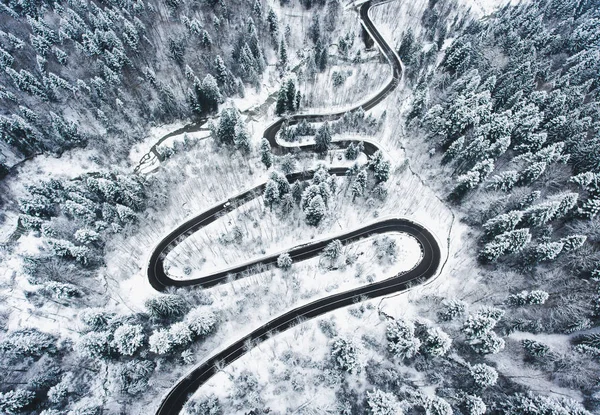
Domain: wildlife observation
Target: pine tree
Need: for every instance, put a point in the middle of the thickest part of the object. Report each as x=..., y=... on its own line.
x=297, y=192
x=314, y=30
x=128, y=338
x=271, y=195
x=357, y=190
x=242, y=137
x=489, y=343
x=547, y=251
x=503, y=223
x=483, y=376
x=166, y=306
x=505, y=243
x=15, y=401
x=265, y=153
x=160, y=342
x=273, y=23
x=436, y=343
x=452, y=308
x=290, y=92
x=281, y=105
x=283, y=56
x=257, y=9
x=474, y=405
x=288, y=164
x=201, y=321
x=402, y=342
x=382, y=403
x=323, y=138
x=573, y=242
x=315, y=211
x=222, y=75
x=226, y=130
x=527, y=298
x=94, y=345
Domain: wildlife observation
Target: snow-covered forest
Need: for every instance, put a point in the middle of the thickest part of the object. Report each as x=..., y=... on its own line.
x=178, y=175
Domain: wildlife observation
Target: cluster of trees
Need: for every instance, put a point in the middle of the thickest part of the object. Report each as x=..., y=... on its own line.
x=312, y=197
x=537, y=117
x=74, y=216
x=114, y=73
x=514, y=108
x=231, y=130
x=405, y=341
x=288, y=98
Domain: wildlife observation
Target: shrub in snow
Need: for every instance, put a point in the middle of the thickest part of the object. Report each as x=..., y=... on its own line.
x=61, y=291
x=382, y=403
x=128, y=338
x=483, y=375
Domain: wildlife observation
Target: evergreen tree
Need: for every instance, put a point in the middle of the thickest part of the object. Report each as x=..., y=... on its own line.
x=314, y=30
x=402, y=342
x=380, y=166
x=323, y=138
x=505, y=243
x=503, y=223
x=265, y=153
x=226, y=130
x=201, y=321
x=297, y=192
x=436, y=343
x=127, y=339
x=271, y=195
x=382, y=403
x=474, y=405
x=288, y=164
x=166, y=306
x=345, y=355
x=483, y=376
x=315, y=211
x=281, y=105
x=273, y=24
x=283, y=56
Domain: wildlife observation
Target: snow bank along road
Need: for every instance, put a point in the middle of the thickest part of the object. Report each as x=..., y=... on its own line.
x=425, y=269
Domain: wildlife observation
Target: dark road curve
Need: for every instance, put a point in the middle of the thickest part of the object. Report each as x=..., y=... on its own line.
x=428, y=266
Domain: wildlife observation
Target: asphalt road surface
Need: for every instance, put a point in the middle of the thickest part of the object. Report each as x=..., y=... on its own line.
x=174, y=401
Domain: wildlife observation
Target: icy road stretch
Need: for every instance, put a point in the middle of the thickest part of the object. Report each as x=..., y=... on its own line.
x=174, y=401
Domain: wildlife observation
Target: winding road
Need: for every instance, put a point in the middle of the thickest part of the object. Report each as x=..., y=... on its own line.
x=175, y=400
